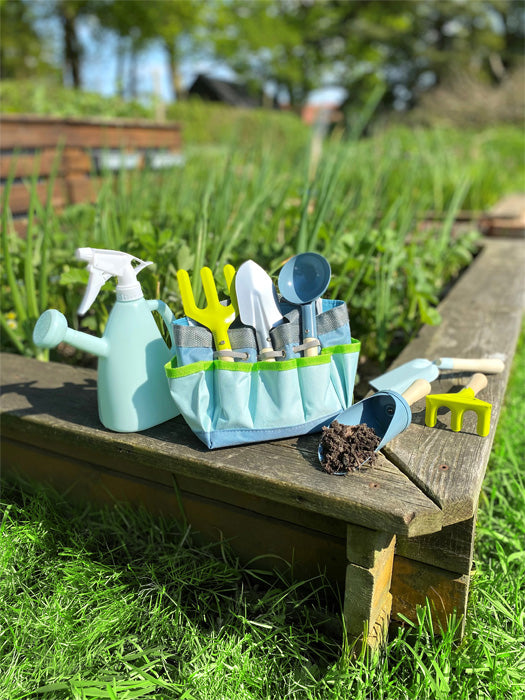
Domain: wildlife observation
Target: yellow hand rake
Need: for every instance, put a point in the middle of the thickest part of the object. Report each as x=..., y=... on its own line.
x=459, y=403
x=215, y=316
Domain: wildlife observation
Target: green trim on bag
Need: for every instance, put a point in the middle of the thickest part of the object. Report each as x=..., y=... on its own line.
x=173, y=371
x=355, y=346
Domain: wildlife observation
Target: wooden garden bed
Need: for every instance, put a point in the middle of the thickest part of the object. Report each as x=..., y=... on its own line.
x=391, y=536
x=86, y=148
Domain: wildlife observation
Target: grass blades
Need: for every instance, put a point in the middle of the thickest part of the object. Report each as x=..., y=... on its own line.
x=117, y=603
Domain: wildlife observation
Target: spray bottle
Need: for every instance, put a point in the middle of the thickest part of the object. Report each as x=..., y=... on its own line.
x=133, y=392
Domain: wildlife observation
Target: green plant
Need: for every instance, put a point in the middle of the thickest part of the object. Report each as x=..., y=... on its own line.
x=365, y=209
x=22, y=258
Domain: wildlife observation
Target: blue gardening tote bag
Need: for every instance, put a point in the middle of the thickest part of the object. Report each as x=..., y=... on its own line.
x=233, y=403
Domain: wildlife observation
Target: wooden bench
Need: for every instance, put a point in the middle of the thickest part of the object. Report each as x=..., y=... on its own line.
x=87, y=147
x=391, y=536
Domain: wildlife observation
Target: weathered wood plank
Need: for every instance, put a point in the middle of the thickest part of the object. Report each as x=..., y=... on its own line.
x=481, y=316
x=26, y=131
x=19, y=195
x=367, y=588
x=413, y=583
x=57, y=403
x=365, y=547
x=368, y=601
x=83, y=481
x=451, y=548
x=72, y=160
x=25, y=164
x=60, y=469
x=276, y=543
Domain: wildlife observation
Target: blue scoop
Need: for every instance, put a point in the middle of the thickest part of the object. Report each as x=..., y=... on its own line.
x=386, y=412
x=302, y=280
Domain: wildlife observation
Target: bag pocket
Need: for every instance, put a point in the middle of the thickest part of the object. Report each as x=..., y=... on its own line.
x=227, y=403
x=333, y=328
x=194, y=343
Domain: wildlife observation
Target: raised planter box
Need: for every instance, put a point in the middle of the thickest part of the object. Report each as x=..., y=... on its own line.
x=89, y=146
x=391, y=536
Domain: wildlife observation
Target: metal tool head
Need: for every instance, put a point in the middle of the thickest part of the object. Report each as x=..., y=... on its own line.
x=304, y=278
x=400, y=378
x=458, y=404
x=215, y=316
x=386, y=412
x=257, y=301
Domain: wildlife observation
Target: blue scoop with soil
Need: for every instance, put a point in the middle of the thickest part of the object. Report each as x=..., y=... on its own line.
x=386, y=413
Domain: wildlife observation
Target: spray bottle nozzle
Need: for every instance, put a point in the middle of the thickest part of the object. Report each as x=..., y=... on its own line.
x=104, y=264
x=85, y=254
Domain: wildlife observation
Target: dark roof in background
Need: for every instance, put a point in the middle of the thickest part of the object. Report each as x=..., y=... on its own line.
x=222, y=91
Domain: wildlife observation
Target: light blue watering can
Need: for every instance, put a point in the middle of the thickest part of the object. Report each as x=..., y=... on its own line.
x=132, y=389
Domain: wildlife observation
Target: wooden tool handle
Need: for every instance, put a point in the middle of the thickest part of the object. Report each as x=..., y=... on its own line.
x=312, y=349
x=416, y=391
x=489, y=365
x=477, y=382
x=264, y=352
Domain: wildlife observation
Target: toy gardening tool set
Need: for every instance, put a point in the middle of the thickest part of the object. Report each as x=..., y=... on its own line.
x=259, y=364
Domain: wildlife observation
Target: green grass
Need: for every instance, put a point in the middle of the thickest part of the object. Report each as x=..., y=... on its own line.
x=115, y=603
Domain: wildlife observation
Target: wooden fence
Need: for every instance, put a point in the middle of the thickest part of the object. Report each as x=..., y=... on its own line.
x=86, y=147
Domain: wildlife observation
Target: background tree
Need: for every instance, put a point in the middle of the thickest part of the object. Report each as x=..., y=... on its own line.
x=177, y=29
x=291, y=46
x=133, y=24
x=22, y=51
x=406, y=46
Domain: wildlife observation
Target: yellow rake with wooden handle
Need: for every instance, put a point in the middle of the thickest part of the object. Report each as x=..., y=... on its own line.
x=458, y=403
x=215, y=316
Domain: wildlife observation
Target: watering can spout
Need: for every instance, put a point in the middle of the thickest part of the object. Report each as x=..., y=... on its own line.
x=52, y=329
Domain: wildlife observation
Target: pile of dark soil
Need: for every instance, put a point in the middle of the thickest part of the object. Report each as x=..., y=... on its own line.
x=346, y=447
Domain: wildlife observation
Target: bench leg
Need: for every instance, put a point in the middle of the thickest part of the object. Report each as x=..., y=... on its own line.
x=368, y=601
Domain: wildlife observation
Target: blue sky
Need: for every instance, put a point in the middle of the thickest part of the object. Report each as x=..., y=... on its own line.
x=100, y=66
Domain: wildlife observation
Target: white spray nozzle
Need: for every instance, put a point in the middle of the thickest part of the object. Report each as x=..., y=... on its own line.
x=104, y=264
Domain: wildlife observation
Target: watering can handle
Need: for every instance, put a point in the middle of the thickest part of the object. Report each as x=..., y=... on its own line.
x=416, y=391
x=166, y=314
x=477, y=382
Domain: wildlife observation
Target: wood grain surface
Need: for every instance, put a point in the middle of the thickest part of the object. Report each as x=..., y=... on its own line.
x=482, y=316
x=19, y=131
x=368, y=587
x=53, y=406
x=414, y=583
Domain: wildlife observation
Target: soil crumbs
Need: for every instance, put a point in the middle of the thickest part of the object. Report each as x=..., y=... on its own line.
x=346, y=447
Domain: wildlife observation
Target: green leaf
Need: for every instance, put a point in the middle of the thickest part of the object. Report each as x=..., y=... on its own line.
x=428, y=314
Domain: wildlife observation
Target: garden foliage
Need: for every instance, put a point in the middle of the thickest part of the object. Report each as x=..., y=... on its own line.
x=363, y=205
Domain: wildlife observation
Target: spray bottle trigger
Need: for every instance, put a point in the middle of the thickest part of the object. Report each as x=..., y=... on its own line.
x=95, y=282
